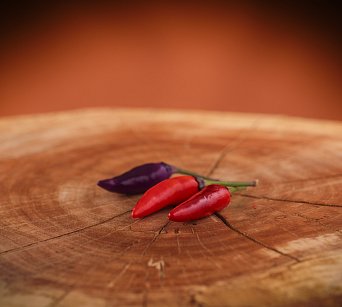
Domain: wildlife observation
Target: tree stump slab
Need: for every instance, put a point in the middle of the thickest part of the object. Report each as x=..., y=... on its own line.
x=66, y=242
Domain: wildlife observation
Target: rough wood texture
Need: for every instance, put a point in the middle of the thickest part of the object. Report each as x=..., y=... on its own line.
x=66, y=242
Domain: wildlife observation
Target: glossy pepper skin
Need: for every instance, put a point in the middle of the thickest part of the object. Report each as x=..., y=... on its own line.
x=168, y=192
x=212, y=198
x=139, y=179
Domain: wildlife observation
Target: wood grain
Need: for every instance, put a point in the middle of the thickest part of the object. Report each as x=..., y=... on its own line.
x=66, y=242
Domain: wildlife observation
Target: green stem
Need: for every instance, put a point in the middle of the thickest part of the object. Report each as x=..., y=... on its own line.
x=186, y=172
x=209, y=180
x=232, y=183
x=236, y=189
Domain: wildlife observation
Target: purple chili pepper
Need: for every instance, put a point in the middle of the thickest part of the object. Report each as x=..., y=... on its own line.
x=139, y=179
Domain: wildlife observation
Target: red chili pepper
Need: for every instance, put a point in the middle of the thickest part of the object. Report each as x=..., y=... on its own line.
x=212, y=198
x=168, y=192
x=176, y=190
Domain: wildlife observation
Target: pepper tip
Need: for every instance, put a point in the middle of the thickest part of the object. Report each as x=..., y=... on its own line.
x=101, y=184
x=136, y=214
x=171, y=216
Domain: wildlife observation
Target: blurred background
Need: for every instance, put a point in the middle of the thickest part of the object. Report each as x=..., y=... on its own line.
x=247, y=56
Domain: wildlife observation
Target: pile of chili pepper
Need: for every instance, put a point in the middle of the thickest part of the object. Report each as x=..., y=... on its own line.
x=194, y=196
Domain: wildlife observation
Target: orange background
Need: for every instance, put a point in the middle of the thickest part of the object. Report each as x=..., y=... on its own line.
x=218, y=57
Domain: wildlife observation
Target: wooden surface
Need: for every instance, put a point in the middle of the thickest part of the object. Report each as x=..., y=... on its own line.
x=66, y=242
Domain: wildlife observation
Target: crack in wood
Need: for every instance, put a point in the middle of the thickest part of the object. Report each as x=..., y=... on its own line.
x=233, y=228
x=109, y=286
x=121, y=273
x=51, y=264
x=212, y=256
x=156, y=237
x=177, y=239
x=308, y=219
x=225, y=221
x=228, y=148
x=146, y=284
x=315, y=220
x=61, y=298
x=218, y=160
x=289, y=200
x=20, y=248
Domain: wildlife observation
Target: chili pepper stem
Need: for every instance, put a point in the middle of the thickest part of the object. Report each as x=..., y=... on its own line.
x=236, y=189
x=209, y=180
x=186, y=172
x=232, y=183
